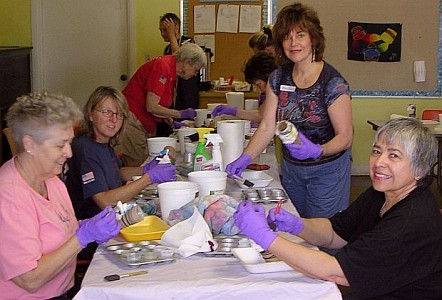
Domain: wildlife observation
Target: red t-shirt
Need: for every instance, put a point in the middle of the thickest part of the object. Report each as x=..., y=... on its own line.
x=157, y=76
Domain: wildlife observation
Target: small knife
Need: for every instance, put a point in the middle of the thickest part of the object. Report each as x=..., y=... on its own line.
x=118, y=277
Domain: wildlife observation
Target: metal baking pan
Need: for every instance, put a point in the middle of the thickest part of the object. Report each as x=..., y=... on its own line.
x=141, y=253
x=264, y=195
x=226, y=244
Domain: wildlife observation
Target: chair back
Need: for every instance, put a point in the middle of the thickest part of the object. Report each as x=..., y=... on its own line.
x=431, y=114
x=12, y=144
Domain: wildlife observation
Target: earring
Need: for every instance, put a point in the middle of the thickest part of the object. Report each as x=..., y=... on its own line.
x=418, y=177
x=314, y=54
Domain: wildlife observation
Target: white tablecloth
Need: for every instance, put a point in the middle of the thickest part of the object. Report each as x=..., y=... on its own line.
x=202, y=277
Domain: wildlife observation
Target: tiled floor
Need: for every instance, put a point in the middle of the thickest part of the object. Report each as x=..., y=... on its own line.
x=360, y=183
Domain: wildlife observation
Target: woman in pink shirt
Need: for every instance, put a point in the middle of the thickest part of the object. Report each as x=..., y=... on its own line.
x=39, y=232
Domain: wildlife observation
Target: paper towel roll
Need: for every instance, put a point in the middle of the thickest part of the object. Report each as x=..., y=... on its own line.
x=232, y=133
x=235, y=99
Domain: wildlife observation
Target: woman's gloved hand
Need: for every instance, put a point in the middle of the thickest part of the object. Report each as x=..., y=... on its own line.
x=100, y=228
x=152, y=164
x=177, y=125
x=285, y=221
x=188, y=113
x=224, y=110
x=307, y=149
x=162, y=173
x=238, y=165
x=251, y=220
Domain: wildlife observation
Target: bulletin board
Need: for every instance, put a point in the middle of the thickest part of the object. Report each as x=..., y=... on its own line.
x=232, y=49
x=420, y=41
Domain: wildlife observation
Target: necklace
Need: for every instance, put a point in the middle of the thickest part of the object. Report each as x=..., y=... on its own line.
x=383, y=209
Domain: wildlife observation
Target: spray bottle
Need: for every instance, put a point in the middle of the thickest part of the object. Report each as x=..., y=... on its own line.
x=201, y=155
x=216, y=163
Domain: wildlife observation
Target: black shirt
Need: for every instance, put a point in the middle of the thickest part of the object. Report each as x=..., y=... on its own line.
x=398, y=256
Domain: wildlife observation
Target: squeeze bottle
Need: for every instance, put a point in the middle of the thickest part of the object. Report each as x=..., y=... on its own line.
x=216, y=163
x=201, y=155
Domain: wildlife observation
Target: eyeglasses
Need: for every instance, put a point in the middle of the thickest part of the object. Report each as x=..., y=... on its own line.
x=108, y=113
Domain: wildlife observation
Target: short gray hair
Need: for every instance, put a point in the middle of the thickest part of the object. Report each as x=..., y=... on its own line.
x=419, y=143
x=32, y=114
x=192, y=54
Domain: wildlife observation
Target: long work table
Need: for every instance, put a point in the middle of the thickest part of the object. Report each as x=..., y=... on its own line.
x=438, y=135
x=204, y=277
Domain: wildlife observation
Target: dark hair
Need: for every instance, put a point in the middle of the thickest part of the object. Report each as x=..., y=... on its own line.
x=259, y=66
x=262, y=39
x=171, y=16
x=304, y=17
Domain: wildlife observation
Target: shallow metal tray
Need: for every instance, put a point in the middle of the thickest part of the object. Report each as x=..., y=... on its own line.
x=264, y=195
x=141, y=253
x=226, y=243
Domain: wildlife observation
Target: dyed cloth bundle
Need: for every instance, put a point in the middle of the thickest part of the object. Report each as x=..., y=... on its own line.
x=217, y=211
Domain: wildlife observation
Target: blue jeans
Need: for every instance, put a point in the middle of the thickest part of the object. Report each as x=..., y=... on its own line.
x=319, y=190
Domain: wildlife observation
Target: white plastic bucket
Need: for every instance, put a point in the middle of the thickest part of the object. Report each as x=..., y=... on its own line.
x=235, y=99
x=183, y=133
x=210, y=182
x=174, y=195
x=157, y=144
x=202, y=115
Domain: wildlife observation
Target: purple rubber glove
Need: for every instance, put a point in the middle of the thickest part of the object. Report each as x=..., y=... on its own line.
x=150, y=165
x=238, y=165
x=177, y=125
x=162, y=173
x=285, y=221
x=100, y=228
x=224, y=110
x=305, y=150
x=251, y=220
x=188, y=113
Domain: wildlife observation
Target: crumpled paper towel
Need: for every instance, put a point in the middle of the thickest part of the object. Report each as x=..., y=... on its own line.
x=189, y=236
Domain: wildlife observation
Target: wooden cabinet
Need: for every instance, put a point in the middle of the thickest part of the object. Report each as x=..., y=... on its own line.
x=15, y=80
x=220, y=97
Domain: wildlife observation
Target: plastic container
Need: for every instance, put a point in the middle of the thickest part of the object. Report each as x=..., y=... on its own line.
x=151, y=228
x=157, y=144
x=210, y=182
x=173, y=195
x=183, y=134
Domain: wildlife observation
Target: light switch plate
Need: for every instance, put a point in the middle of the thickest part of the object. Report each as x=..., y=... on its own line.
x=419, y=71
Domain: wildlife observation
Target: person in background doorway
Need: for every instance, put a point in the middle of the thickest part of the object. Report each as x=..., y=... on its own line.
x=149, y=92
x=187, y=90
x=388, y=241
x=312, y=95
x=40, y=235
x=263, y=40
x=256, y=71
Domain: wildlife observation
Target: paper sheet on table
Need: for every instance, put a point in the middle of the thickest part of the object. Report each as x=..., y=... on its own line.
x=189, y=236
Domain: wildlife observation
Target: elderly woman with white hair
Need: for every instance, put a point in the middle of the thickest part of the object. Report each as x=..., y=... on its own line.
x=388, y=241
x=150, y=91
x=40, y=235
